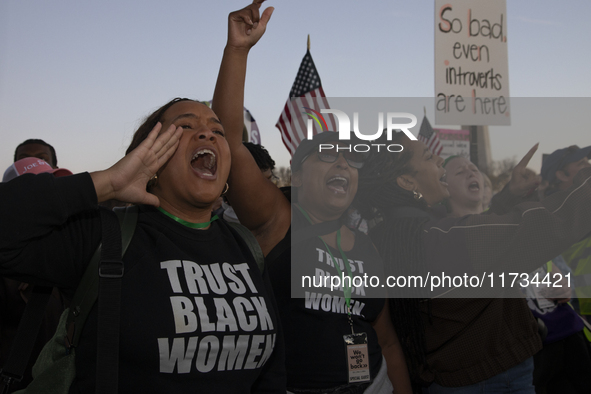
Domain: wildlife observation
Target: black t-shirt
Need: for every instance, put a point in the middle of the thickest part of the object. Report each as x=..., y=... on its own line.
x=196, y=314
x=314, y=323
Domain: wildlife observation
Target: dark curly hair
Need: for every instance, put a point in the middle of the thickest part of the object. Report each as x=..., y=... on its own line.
x=261, y=156
x=378, y=190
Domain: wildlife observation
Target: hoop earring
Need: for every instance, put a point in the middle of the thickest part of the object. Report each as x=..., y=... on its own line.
x=226, y=189
x=417, y=195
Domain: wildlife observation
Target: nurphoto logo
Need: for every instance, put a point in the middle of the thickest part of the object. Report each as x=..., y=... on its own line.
x=344, y=129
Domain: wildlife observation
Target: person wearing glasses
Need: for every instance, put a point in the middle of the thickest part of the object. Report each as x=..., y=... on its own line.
x=326, y=330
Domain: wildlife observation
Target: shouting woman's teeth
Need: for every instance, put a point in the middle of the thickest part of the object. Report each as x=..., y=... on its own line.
x=204, y=162
x=474, y=186
x=337, y=184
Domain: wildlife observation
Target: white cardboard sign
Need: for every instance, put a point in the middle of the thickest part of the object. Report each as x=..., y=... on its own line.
x=471, y=65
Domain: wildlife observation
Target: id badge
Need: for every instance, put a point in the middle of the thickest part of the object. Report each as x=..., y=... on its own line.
x=357, y=357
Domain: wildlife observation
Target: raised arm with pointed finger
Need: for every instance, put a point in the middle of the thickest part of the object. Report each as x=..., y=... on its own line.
x=258, y=203
x=524, y=181
x=520, y=188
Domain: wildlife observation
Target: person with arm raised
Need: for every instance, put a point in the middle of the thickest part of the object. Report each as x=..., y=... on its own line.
x=324, y=186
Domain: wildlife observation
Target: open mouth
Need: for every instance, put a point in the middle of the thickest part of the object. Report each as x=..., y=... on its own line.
x=204, y=163
x=474, y=187
x=338, y=184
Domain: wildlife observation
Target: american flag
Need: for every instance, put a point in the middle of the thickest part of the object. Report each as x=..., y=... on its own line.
x=306, y=92
x=429, y=137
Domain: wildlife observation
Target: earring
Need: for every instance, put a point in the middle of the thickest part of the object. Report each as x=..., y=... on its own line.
x=152, y=182
x=417, y=195
x=226, y=189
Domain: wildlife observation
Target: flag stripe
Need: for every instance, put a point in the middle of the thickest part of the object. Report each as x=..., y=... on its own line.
x=297, y=120
x=287, y=135
x=286, y=131
x=429, y=137
x=329, y=117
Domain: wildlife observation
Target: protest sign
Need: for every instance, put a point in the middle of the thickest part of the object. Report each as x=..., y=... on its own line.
x=471, y=65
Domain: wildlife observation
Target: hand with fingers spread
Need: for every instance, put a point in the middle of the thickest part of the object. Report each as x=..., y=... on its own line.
x=247, y=26
x=127, y=179
x=523, y=180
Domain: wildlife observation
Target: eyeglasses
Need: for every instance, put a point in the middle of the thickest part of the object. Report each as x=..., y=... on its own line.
x=354, y=159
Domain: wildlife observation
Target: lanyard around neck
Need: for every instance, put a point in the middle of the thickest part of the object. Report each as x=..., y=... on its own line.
x=346, y=287
x=188, y=224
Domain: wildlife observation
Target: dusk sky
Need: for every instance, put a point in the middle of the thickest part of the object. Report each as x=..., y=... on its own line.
x=83, y=75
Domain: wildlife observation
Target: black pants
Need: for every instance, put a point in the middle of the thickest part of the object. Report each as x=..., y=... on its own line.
x=564, y=367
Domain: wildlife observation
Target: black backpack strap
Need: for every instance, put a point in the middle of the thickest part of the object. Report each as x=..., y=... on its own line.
x=107, y=263
x=84, y=298
x=87, y=291
x=26, y=336
x=110, y=272
x=252, y=243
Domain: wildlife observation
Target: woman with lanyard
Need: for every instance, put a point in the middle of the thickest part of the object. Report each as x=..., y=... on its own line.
x=413, y=238
x=332, y=336
x=196, y=313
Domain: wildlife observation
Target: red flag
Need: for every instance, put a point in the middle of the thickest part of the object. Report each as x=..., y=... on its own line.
x=306, y=96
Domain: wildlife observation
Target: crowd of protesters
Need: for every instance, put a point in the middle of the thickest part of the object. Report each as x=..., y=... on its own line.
x=208, y=302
